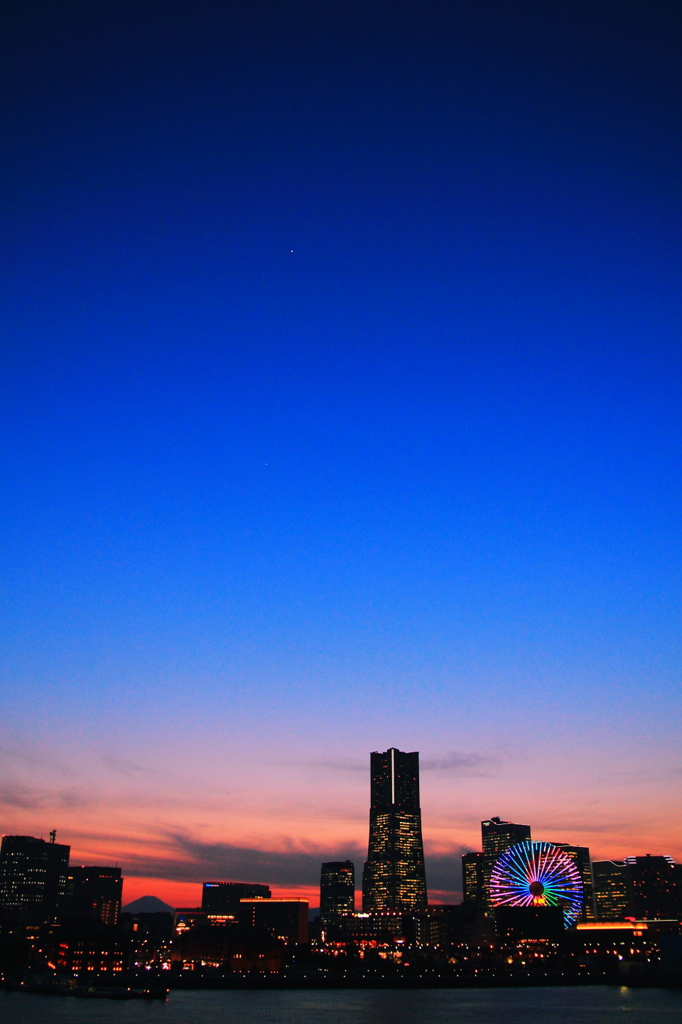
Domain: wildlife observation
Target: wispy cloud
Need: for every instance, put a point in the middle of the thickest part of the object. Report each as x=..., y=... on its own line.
x=461, y=764
x=333, y=765
x=16, y=795
x=444, y=870
x=19, y=796
x=453, y=763
x=73, y=797
x=191, y=860
x=30, y=758
x=196, y=861
x=124, y=767
x=600, y=828
x=638, y=777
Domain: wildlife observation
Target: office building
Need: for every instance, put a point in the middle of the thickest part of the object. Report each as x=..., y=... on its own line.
x=365, y=927
x=517, y=923
x=220, y=900
x=33, y=877
x=426, y=928
x=472, y=878
x=580, y=855
x=92, y=951
x=497, y=837
x=337, y=891
x=236, y=949
x=654, y=887
x=394, y=877
x=281, y=918
x=93, y=894
x=466, y=923
x=612, y=890
x=677, y=886
x=155, y=927
x=186, y=918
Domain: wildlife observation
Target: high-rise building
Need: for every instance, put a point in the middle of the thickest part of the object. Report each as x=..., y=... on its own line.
x=221, y=899
x=498, y=836
x=337, y=891
x=654, y=887
x=472, y=878
x=32, y=878
x=612, y=890
x=580, y=855
x=677, y=886
x=394, y=878
x=93, y=894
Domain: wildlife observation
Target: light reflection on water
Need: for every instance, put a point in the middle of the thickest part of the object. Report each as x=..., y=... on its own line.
x=584, y=1005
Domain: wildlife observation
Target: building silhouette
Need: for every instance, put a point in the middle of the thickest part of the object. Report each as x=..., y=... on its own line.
x=394, y=878
x=612, y=890
x=234, y=948
x=186, y=918
x=518, y=923
x=93, y=894
x=655, y=887
x=90, y=949
x=337, y=891
x=580, y=855
x=380, y=927
x=33, y=877
x=497, y=837
x=284, y=919
x=221, y=899
x=472, y=878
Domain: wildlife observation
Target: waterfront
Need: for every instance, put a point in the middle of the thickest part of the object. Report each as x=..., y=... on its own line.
x=580, y=1005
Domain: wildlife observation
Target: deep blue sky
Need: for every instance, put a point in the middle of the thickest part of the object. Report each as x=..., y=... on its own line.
x=341, y=388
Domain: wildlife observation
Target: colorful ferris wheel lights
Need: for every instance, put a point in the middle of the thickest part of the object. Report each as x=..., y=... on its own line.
x=533, y=874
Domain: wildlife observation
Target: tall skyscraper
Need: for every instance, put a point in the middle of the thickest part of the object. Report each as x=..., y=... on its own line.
x=498, y=836
x=612, y=890
x=580, y=855
x=337, y=891
x=472, y=878
x=394, y=877
x=93, y=894
x=32, y=878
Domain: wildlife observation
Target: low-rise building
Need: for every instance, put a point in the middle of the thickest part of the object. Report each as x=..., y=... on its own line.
x=285, y=919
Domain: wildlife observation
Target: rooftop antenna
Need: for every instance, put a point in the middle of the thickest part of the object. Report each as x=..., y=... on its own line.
x=53, y=835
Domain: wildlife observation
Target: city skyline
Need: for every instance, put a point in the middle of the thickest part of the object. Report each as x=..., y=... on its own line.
x=40, y=887
x=340, y=391
x=69, y=920
x=394, y=792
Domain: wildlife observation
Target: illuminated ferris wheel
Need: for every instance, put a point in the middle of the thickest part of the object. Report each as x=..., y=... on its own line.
x=537, y=875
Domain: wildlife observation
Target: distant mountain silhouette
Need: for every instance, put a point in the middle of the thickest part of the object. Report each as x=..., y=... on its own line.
x=147, y=905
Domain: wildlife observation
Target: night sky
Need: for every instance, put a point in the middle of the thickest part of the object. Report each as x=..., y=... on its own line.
x=341, y=397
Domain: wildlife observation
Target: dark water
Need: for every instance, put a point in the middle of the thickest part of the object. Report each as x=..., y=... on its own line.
x=598, y=1005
